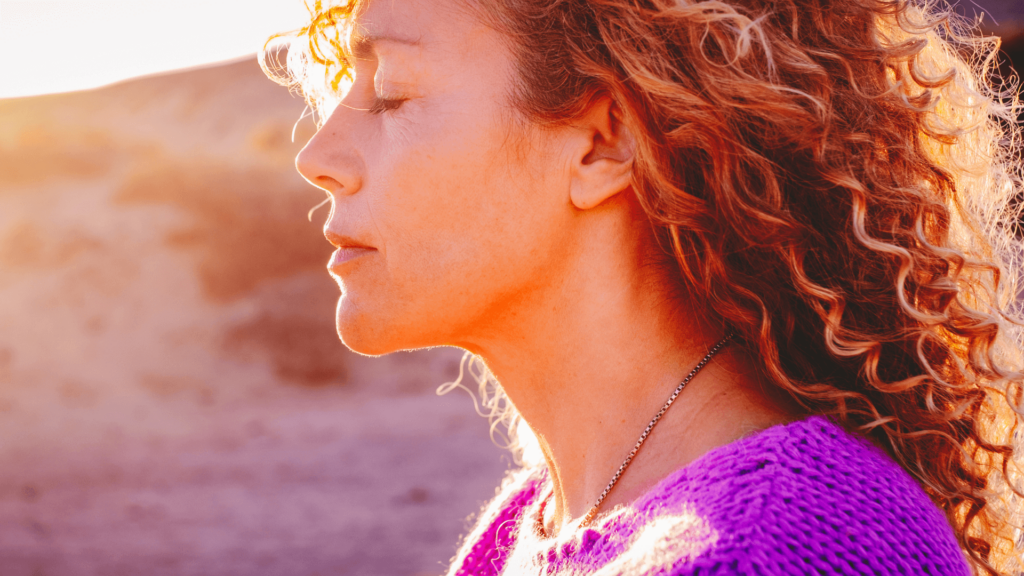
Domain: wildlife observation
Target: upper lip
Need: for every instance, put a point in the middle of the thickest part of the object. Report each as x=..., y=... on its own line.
x=341, y=241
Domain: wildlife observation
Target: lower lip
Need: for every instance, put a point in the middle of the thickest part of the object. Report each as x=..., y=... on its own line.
x=342, y=256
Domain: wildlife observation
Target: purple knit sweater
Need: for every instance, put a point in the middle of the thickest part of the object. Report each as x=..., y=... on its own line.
x=801, y=498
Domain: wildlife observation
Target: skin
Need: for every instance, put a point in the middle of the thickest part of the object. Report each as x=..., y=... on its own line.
x=458, y=226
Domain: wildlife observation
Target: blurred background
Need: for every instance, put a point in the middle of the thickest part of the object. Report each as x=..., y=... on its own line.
x=173, y=397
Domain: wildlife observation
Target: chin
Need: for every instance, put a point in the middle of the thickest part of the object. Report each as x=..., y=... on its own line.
x=379, y=330
x=361, y=332
x=365, y=348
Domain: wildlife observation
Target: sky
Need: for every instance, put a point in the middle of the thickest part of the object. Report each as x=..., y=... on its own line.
x=63, y=45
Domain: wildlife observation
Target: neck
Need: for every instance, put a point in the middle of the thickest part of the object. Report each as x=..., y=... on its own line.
x=614, y=345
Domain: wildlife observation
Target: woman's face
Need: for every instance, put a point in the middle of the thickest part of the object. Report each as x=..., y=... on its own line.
x=449, y=216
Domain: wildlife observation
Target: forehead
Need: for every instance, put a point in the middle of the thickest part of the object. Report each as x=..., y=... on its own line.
x=442, y=44
x=424, y=23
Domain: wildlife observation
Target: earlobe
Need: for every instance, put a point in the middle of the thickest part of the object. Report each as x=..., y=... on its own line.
x=601, y=183
x=604, y=165
x=579, y=196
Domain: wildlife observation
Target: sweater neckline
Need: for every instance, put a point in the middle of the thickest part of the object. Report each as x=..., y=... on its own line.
x=545, y=488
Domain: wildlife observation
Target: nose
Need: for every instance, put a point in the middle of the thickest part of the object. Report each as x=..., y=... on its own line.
x=328, y=160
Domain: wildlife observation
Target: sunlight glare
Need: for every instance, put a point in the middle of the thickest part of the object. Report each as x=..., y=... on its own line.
x=63, y=45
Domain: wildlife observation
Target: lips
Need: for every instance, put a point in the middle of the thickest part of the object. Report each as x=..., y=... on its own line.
x=348, y=250
x=346, y=254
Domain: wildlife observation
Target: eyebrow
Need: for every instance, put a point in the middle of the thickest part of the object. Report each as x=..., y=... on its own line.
x=363, y=44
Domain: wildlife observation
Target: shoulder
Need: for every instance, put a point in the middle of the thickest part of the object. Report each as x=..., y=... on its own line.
x=802, y=498
x=810, y=497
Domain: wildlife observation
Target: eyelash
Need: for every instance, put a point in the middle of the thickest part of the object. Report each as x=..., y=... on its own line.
x=381, y=105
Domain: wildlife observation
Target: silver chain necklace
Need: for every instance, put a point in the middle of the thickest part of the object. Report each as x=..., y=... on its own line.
x=647, y=432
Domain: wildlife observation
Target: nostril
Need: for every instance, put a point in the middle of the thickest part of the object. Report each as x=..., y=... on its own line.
x=332, y=178
x=313, y=169
x=331, y=162
x=327, y=183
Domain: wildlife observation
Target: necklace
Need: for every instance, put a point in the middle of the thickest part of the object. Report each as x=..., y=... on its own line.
x=647, y=432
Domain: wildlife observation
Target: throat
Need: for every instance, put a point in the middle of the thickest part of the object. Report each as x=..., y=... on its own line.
x=544, y=526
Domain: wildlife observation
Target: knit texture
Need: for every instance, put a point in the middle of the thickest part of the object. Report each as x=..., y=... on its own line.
x=806, y=497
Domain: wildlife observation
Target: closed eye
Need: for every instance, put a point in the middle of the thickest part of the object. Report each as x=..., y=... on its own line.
x=381, y=105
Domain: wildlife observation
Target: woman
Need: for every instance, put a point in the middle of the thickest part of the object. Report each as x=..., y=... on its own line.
x=773, y=239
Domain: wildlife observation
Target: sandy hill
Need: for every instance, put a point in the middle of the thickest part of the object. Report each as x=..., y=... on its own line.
x=173, y=398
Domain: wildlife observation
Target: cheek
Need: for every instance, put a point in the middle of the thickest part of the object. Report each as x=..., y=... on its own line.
x=463, y=222
x=445, y=181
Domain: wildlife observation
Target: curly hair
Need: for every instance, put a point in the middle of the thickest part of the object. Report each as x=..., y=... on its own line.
x=840, y=182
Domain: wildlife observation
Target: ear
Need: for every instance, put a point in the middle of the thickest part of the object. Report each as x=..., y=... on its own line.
x=603, y=158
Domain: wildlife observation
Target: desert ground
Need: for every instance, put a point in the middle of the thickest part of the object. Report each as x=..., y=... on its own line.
x=173, y=397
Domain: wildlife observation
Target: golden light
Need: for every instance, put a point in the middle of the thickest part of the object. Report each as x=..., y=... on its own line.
x=63, y=45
